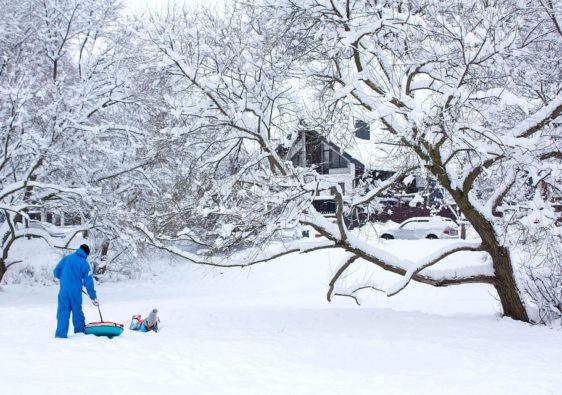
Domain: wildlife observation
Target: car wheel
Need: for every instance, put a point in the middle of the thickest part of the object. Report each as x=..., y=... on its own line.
x=431, y=237
x=386, y=236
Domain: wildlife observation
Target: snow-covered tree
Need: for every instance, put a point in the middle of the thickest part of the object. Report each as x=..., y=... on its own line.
x=230, y=100
x=463, y=90
x=467, y=87
x=64, y=131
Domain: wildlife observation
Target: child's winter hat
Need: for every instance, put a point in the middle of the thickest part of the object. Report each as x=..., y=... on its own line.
x=152, y=317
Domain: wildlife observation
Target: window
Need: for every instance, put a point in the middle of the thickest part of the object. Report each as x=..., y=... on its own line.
x=337, y=161
x=362, y=130
x=35, y=215
x=333, y=159
x=72, y=219
x=409, y=225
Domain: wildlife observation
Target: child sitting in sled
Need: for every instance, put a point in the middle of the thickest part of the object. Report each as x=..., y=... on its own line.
x=150, y=323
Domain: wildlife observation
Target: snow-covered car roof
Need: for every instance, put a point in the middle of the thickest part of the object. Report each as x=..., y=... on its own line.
x=435, y=218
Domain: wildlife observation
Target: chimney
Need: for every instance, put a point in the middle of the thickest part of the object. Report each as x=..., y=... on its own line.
x=362, y=130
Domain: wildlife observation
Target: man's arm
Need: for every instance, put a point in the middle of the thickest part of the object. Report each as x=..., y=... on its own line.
x=88, y=281
x=58, y=269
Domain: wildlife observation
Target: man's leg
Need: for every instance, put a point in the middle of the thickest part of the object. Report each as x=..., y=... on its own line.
x=78, y=319
x=63, y=315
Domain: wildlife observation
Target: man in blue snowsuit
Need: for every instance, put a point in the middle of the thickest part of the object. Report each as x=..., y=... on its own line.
x=73, y=271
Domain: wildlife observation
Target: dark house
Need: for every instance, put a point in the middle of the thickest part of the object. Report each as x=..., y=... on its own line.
x=311, y=149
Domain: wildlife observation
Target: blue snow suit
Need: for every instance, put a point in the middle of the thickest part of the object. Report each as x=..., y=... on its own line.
x=142, y=326
x=73, y=271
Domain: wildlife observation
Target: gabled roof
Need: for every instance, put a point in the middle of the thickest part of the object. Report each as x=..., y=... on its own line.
x=358, y=164
x=365, y=154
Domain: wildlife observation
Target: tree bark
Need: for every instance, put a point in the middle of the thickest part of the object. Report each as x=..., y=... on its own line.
x=505, y=283
x=3, y=269
x=506, y=286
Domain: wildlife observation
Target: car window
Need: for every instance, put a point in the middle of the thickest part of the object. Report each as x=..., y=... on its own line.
x=409, y=225
x=428, y=223
x=421, y=224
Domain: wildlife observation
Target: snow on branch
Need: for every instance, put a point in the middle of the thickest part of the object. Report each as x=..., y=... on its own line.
x=431, y=260
x=125, y=169
x=373, y=193
x=411, y=270
x=499, y=194
x=244, y=258
x=539, y=119
x=17, y=186
x=350, y=258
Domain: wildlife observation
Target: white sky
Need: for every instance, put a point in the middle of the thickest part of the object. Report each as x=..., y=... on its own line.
x=141, y=6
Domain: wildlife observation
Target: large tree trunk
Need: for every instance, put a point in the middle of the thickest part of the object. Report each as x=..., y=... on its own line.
x=3, y=269
x=505, y=283
x=506, y=286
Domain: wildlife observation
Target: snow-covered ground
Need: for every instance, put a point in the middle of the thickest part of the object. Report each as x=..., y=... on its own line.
x=268, y=329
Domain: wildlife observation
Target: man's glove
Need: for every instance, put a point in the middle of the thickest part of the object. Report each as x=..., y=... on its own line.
x=95, y=302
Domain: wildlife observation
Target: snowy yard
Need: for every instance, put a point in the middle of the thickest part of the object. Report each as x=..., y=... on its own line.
x=269, y=330
x=198, y=128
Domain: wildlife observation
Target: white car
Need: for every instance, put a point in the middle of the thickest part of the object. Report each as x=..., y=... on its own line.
x=424, y=228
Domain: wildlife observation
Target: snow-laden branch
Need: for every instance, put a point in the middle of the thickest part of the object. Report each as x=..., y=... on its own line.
x=123, y=170
x=17, y=186
x=495, y=200
x=383, y=186
x=395, y=264
x=431, y=260
x=242, y=259
x=349, y=259
x=29, y=232
x=539, y=119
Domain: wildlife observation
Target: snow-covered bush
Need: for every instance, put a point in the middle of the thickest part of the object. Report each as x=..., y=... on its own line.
x=540, y=257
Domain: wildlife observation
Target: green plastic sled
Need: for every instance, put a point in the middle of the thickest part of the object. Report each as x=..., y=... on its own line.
x=108, y=329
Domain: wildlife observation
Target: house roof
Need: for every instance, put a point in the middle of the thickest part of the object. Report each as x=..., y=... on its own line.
x=359, y=165
x=365, y=154
x=375, y=155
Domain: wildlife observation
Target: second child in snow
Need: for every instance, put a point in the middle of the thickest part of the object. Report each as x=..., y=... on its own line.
x=150, y=323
